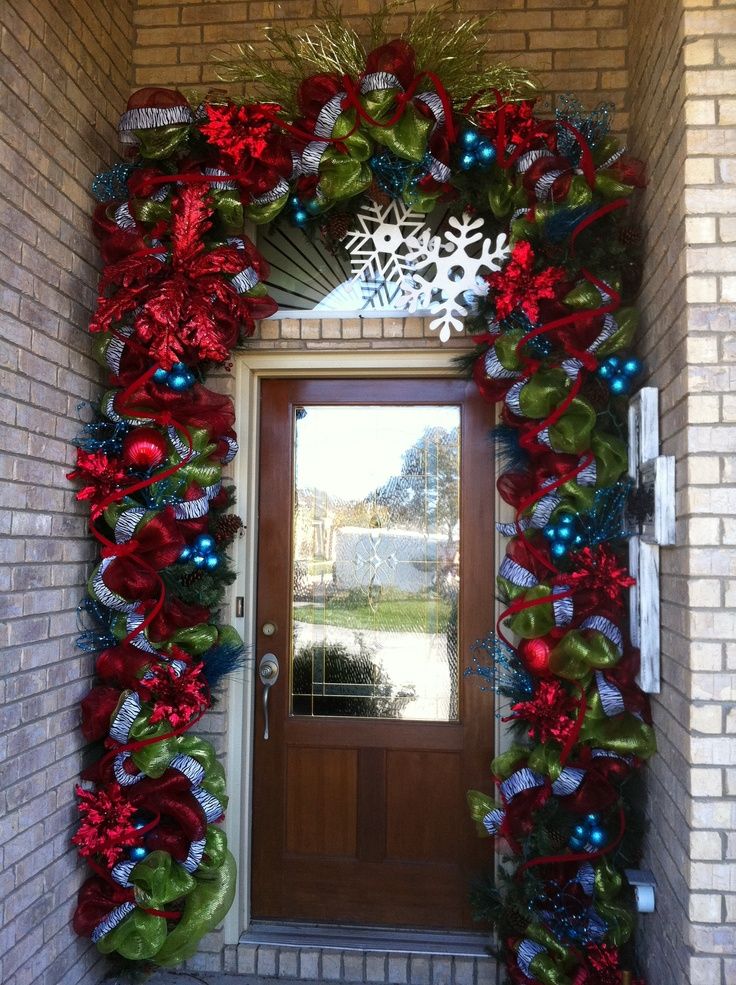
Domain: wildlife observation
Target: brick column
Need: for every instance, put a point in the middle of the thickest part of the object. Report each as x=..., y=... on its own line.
x=64, y=72
x=682, y=68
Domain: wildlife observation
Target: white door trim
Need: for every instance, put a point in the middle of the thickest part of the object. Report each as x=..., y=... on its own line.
x=250, y=368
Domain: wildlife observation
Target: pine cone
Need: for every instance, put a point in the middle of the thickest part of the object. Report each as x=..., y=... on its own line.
x=378, y=194
x=227, y=528
x=338, y=226
x=189, y=579
x=629, y=236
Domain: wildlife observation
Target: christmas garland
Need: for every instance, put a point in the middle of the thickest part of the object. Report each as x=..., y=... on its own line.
x=182, y=286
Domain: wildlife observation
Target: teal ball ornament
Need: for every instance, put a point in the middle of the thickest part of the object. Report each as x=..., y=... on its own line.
x=598, y=837
x=186, y=554
x=300, y=218
x=469, y=138
x=619, y=386
x=178, y=382
x=486, y=153
x=161, y=375
x=295, y=202
x=138, y=853
x=198, y=560
x=205, y=543
x=314, y=206
x=564, y=532
x=632, y=366
x=211, y=562
x=467, y=161
x=558, y=549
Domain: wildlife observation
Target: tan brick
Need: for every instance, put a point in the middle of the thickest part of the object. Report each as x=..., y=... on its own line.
x=700, y=171
x=700, y=111
x=699, y=51
x=702, y=289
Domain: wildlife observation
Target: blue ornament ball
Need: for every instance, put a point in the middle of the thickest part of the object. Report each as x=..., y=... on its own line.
x=300, y=217
x=592, y=818
x=550, y=532
x=161, y=375
x=614, y=362
x=138, y=853
x=579, y=831
x=564, y=532
x=558, y=549
x=467, y=161
x=178, y=382
x=469, y=138
x=632, y=366
x=295, y=202
x=486, y=153
x=598, y=837
x=619, y=385
x=205, y=543
x=314, y=206
x=577, y=540
x=211, y=562
x=198, y=560
x=186, y=553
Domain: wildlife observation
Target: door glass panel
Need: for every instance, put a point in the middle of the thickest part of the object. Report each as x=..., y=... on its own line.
x=376, y=562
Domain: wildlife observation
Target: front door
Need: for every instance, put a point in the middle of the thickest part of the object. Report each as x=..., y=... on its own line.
x=374, y=579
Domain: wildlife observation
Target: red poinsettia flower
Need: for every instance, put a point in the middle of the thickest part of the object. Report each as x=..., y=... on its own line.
x=185, y=307
x=175, y=697
x=518, y=287
x=548, y=712
x=600, y=573
x=106, y=827
x=254, y=148
x=102, y=474
x=522, y=127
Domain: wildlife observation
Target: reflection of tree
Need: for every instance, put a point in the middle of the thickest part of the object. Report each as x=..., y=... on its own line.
x=424, y=495
x=332, y=679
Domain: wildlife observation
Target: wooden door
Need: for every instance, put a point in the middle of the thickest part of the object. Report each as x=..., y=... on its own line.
x=359, y=792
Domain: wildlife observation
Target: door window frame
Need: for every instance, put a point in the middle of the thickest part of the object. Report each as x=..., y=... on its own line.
x=250, y=368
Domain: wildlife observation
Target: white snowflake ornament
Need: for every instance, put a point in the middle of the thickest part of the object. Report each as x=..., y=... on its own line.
x=377, y=246
x=441, y=265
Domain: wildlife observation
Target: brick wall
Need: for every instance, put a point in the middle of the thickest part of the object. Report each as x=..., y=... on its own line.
x=65, y=72
x=685, y=52
x=66, y=78
x=574, y=45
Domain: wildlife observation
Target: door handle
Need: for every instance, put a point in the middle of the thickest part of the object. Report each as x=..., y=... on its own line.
x=268, y=671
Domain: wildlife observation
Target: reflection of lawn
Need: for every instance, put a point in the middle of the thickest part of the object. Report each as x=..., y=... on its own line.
x=410, y=615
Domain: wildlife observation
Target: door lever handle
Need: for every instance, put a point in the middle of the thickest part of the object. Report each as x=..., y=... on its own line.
x=268, y=671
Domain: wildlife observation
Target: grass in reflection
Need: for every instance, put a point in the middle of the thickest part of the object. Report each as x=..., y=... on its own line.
x=410, y=614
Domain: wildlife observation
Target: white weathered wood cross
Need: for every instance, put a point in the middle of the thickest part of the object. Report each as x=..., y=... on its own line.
x=653, y=476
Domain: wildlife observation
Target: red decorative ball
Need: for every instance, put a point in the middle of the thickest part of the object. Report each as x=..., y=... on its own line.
x=144, y=449
x=535, y=655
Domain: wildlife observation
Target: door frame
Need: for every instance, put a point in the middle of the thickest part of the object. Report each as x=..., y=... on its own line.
x=250, y=367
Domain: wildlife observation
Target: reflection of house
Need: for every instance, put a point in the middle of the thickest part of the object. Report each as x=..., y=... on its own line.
x=407, y=560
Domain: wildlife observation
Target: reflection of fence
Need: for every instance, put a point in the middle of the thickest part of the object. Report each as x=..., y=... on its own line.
x=403, y=559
